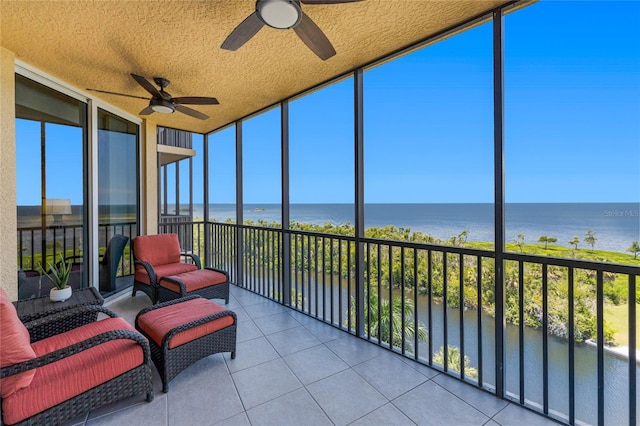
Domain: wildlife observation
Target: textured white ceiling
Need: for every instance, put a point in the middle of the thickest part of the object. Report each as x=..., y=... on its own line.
x=97, y=44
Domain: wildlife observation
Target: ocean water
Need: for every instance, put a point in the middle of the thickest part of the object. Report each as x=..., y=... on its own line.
x=616, y=225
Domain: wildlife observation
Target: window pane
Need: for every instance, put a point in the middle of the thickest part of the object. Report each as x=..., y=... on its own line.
x=321, y=156
x=572, y=150
x=222, y=175
x=50, y=149
x=571, y=95
x=429, y=140
x=117, y=192
x=261, y=157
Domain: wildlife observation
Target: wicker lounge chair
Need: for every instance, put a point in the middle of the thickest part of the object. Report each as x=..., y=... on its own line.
x=157, y=256
x=48, y=382
x=162, y=276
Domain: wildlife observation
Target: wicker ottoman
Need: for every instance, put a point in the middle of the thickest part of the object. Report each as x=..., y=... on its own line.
x=184, y=330
x=209, y=283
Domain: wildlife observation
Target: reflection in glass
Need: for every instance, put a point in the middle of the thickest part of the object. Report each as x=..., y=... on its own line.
x=117, y=191
x=50, y=140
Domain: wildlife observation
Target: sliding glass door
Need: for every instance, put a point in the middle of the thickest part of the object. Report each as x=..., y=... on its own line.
x=117, y=199
x=51, y=140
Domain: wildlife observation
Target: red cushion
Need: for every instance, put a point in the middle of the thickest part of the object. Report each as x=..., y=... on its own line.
x=157, y=249
x=164, y=270
x=64, y=379
x=15, y=347
x=158, y=322
x=194, y=280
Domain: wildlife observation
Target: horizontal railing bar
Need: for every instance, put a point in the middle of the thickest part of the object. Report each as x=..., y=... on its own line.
x=574, y=263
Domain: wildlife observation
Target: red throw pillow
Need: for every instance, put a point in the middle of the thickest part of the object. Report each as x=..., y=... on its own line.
x=15, y=347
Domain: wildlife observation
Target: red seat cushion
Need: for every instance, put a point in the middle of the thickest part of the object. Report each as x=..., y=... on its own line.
x=15, y=347
x=164, y=270
x=69, y=377
x=158, y=322
x=194, y=280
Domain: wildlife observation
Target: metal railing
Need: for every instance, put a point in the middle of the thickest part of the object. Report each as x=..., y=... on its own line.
x=66, y=241
x=435, y=304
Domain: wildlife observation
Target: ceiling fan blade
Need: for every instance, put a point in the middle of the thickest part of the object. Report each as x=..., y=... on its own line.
x=314, y=38
x=195, y=100
x=243, y=32
x=119, y=94
x=328, y=1
x=146, y=111
x=146, y=84
x=191, y=112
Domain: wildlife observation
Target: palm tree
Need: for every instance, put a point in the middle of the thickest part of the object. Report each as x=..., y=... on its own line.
x=635, y=249
x=574, y=242
x=453, y=359
x=590, y=238
x=382, y=324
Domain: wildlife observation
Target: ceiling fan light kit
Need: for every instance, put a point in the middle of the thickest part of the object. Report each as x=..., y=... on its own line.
x=284, y=15
x=161, y=105
x=279, y=14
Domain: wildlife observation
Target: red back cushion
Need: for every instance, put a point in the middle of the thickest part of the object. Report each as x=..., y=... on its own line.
x=15, y=347
x=157, y=249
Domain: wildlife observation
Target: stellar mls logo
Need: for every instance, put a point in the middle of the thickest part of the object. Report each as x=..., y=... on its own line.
x=622, y=213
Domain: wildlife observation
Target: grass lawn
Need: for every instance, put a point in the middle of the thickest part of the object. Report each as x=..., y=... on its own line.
x=618, y=317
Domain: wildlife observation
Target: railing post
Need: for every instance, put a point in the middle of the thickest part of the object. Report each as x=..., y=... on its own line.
x=286, y=236
x=359, y=200
x=205, y=185
x=239, y=203
x=498, y=150
x=633, y=414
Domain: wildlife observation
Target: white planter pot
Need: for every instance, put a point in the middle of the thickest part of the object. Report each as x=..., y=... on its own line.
x=60, y=295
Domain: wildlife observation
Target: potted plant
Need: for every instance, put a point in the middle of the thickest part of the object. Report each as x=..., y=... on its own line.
x=59, y=275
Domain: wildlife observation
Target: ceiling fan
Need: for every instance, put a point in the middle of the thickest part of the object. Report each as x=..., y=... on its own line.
x=163, y=102
x=284, y=14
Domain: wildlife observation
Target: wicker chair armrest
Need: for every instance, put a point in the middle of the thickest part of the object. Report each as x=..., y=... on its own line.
x=149, y=269
x=53, y=320
x=183, y=289
x=163, y=304
x=77, y=348
x=80, y=309
x=167, y=338
x=222, y=271
x=194, y=257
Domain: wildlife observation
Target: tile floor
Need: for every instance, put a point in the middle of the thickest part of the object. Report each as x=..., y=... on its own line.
x=293, y=370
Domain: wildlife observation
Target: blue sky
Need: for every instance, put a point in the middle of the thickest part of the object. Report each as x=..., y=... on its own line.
x=572, y=121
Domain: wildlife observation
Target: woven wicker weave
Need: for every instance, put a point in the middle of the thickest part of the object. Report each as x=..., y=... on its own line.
x=65, y=320
x=31, y=310
x=170, y=362
x=133, y=382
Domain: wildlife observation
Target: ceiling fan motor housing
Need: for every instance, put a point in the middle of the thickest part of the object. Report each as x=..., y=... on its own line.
x=279, y=14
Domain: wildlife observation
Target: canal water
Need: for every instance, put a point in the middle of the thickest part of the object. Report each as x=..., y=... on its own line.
x=616, y=371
